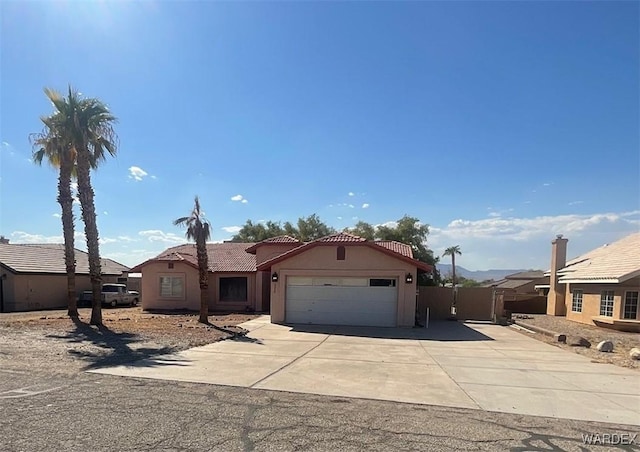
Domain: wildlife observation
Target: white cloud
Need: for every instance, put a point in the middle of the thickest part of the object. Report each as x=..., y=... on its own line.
x=575, y=203
x=131, y=257
x=365, y=205
x=547, y=184
x=351, y=193
x=339, y=218
x=156, y=235
x=500, y=242
x=25, y=237
x=105, y=212
x=57, y=215
x=137, y=173
x=232, y=229
x=351, y=206
x=239, y=198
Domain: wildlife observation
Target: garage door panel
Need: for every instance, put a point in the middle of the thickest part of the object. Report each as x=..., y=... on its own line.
x=341, y=305
x=337, y=306
x=329, y=293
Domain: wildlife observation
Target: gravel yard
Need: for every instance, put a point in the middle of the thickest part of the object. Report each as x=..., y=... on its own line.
x=623, y=342
x=128, y=334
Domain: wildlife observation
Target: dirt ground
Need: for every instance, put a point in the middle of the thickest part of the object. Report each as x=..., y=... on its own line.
x=622, y=341
x=180, y=329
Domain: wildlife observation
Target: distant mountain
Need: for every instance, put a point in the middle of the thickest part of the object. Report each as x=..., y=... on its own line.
x=478, y=275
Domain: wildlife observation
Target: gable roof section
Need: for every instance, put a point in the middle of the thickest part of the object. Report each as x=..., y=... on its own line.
x=394, y=249
x=340, y=237
x=227, y=257
x=529, y=274
x=612, y=263
x=397, y=247
x=49, y=258
x=279, y=240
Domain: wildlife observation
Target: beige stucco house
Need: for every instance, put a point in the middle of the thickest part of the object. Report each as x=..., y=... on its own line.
x=34, y=276
x=340, y=279
x=600, y=287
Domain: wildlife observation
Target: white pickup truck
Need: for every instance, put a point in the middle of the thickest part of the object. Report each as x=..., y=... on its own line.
x=113, y=295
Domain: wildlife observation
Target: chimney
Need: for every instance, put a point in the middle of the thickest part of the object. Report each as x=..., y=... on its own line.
x=3, y=241
x=556, y=298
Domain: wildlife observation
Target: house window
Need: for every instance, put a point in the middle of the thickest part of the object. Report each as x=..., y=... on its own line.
x=631, y=305
x=576, y=302
x=233, y=289
x=379, y=282
x=341, y=253
x=606, y=303
x=172, y=286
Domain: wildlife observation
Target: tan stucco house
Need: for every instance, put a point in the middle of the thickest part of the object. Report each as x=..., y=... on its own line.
x=33, y=276
x=600, y=287
x=340, y=279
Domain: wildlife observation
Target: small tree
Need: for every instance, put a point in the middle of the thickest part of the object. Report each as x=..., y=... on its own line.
x=199, y=230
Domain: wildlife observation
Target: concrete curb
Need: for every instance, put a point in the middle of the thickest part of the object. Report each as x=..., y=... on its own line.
x=560, y=337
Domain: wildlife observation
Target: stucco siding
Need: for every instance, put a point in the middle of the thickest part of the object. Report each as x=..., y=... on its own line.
x=360, y=261
x=269, y=251
x=151, y=296
x=28, y=292
x=591, y=299
x=214, y=293
x=152, y=299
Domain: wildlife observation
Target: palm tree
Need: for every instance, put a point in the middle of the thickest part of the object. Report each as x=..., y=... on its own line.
x=86, y=127
x=452, y=251
x=199, y=230
x=49, y=146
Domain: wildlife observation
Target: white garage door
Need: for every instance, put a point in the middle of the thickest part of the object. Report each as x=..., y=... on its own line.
x=342, y=301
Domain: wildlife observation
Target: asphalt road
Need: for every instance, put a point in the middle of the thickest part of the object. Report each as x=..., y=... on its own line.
x=48, y=404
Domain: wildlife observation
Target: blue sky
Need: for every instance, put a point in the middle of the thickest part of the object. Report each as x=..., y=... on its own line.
x=500, y=124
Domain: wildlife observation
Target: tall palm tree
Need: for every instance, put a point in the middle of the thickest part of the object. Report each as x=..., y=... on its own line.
x=49, y=146
x=199, y=230
x=452, y=251
x=86, y=127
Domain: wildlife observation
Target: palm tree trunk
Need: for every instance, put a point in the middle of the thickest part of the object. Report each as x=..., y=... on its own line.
x=86, y=195
x=453, y=268
x=203, y=266
x=66, y=203
x=204, y=305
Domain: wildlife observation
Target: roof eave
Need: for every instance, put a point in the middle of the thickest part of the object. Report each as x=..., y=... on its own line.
x=590, y=281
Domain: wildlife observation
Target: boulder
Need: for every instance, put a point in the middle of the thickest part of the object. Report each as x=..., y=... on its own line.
x=634, y=353
x=578, y=341
x=605, y=346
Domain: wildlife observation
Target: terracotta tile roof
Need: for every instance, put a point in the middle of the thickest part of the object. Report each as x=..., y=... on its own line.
x=223, y=257
x=49, y=258
x=396, y=247
x=281, y=239
x=341, y=237
x=615, y=262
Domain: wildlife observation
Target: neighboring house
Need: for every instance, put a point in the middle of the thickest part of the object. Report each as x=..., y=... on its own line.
x=600, y=287
x=340, y=279
x=34, y=276
x=527, y=282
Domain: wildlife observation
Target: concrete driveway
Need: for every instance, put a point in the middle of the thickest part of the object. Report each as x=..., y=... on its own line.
x=479, y=366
